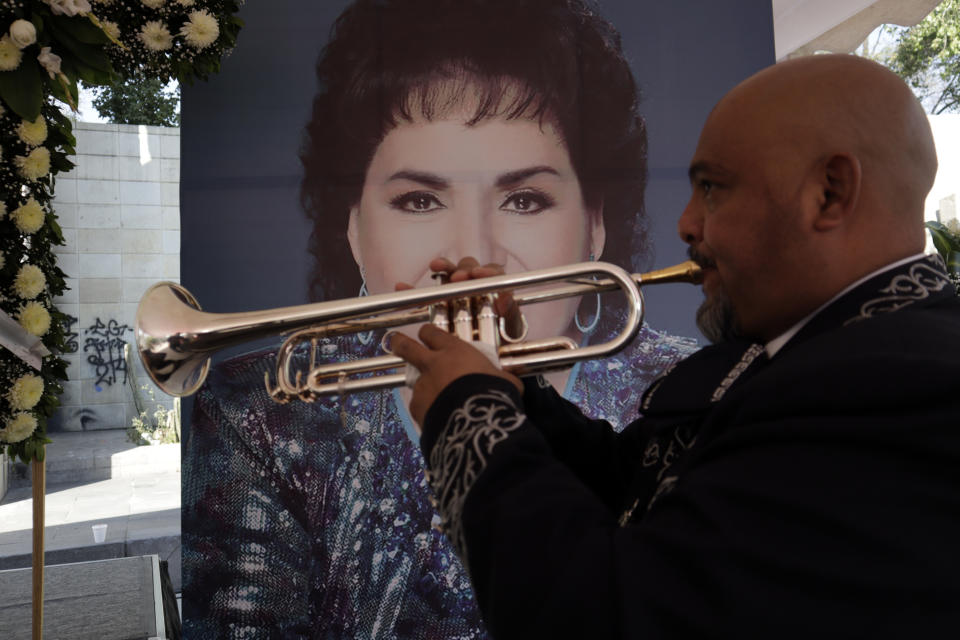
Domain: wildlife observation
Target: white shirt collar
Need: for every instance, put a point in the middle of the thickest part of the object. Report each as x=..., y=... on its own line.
x=777, y=343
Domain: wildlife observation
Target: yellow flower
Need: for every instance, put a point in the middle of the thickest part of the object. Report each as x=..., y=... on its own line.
x=35, y=164
x=18, y=428
x=29, y=282
x=111, y=29
x=33, y=133
x=155, y=36
x=29, y=216
x=185, y=3
x=25, y=392
x=10, y=54
x=153, y=4
x=201, y=30
x=3, y=260
x=35, y=318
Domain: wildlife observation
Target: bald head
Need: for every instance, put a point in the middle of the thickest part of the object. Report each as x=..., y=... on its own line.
x=818, y=105
x=807, y=176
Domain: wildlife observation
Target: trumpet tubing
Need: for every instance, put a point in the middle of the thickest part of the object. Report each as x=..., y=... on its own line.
x=175, y=338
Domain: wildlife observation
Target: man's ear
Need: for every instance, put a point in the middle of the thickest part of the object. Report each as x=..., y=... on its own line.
x=598, y=232
x=353, y=235
x=839, y=180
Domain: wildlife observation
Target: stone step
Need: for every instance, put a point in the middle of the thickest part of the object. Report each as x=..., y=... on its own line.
x=142, y=515
x=99, y=455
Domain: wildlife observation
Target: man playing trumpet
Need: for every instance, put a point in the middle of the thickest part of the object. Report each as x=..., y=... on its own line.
x=799, y=476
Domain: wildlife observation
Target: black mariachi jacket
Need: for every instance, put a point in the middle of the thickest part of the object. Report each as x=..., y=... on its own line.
x=817, y=493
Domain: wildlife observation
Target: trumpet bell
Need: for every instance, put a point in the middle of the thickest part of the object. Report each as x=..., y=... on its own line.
x=171, y=356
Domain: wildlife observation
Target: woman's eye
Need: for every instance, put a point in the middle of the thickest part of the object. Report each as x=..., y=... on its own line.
x=706, y=186
x=417, y=202
x=527, y=202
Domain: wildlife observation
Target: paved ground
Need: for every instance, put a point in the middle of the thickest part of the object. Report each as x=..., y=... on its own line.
x=141, y=507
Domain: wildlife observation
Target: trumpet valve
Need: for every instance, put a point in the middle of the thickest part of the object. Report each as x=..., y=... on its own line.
x=462, y=320
x=440, y=316
x=487, y=321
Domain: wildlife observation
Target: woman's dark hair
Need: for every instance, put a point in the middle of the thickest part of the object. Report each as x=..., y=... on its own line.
x=553, y=60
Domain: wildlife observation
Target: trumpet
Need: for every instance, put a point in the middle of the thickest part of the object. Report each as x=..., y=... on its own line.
x=176, y=339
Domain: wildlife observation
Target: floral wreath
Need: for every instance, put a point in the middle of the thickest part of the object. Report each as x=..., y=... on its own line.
x=46, y=47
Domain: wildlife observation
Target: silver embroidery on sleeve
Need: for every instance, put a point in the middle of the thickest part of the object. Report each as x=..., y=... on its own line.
x=919, y=282
x=461, y=454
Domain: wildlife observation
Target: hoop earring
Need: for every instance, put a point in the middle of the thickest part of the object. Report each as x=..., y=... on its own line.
x=588, y=329
x=365, y=337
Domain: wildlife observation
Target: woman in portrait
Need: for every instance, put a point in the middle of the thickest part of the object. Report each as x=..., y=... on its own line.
x=505, y=130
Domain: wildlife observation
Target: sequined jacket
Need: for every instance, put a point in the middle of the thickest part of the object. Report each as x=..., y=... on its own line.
x=313, y=520
x=813, y=494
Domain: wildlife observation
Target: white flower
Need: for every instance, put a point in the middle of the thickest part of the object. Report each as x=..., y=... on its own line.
x=23, y=33
x=30, y=281
x=25, y=392
x=3, y=260
x=153, y=4
x=69, y=7
x=33, y=133
x=49, y=61
x=3, y=205
x=29, y=216
x=18, y=428
x=10, y=54
x=155, y=36
x=111, y=29
x=35, y=318
x=201, y=30
x=35, y=164
x=185, y=3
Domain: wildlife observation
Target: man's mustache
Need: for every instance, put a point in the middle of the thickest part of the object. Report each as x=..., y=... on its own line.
x=703, y=261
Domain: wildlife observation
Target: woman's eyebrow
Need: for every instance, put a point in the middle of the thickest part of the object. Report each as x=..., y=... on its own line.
x=431, y=180
x=513, y=177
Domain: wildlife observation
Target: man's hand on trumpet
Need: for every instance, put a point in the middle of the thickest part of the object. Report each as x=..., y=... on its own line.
x=443, y=357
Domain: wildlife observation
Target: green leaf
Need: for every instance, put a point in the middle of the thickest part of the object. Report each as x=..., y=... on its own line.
x=953, y=262
x=82, y=29
x=92, y=55
x=22, y=88
x=943, y=239
x=58, y=92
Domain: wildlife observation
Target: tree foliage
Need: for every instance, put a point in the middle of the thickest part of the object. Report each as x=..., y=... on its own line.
x=139, y=101
x=927, y=56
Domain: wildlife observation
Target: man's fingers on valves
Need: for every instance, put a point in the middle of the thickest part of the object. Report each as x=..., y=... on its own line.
x=409, y=349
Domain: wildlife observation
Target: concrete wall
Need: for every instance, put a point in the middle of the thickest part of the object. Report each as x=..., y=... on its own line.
x=948, y=209
x=120, y=213
x=4, y=473
x=946, y=135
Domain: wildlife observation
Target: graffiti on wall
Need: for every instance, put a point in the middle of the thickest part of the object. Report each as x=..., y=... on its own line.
x=104, y=348
x=71, y=335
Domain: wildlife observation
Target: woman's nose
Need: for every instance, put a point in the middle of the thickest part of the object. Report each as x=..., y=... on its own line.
x=477, y=237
